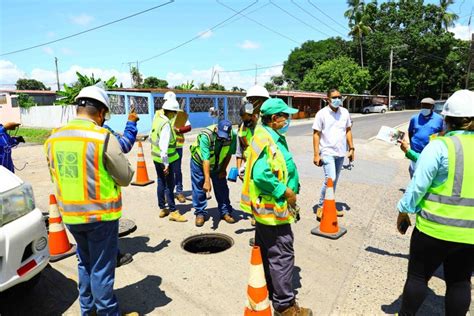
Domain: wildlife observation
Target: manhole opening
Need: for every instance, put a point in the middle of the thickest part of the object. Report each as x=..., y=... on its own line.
x=205, y=244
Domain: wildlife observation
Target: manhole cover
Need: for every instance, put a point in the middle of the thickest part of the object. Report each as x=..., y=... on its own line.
x=207, y=243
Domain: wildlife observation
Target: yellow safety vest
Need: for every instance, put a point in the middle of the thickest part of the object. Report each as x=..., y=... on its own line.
x=85, y=190
x=196, y=149
x=447, y=211
x=265, y=208
x=159, y=122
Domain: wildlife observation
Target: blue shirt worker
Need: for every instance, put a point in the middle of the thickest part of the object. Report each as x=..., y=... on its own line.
x=211, y=154
x=422, y=126
x=7, y=143
x=441, y=194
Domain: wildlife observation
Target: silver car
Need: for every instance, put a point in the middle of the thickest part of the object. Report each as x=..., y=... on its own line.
x=374, y=108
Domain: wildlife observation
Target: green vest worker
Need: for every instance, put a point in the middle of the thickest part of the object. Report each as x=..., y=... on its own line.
x=164, y=154
x=210, y=156
x=88, y=168
x=270, y=186
x=441, y=194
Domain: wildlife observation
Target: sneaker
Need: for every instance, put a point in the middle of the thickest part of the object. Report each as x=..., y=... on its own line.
x=339, y=213
x=294, y=310
x=164, y=212
x=228, y=218
x=252, y=221
x=181, y=198
x=199, y=220
x=123, y=259
x=177, y=217
x=252, y=242
x=319, y=214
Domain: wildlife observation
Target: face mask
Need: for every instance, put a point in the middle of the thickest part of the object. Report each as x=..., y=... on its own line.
x=425, y=112
x=335, y=103
x=283, y=130
x=107, y=116
x=248, y=123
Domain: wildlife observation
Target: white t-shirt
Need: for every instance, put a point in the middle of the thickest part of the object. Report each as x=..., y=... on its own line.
x=332, y=126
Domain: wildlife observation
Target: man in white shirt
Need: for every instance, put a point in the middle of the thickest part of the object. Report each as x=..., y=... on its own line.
x=332, y=136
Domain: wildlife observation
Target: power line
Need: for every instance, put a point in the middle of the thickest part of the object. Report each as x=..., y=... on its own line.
x=242, y=16
x=197, y=36
x=298, y=19
x=262, y=25
x=251, y=69
x=315, y=6
x=89, y=30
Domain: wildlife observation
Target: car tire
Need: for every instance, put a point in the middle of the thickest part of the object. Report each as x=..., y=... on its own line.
x=383, y=111
x=366, y=111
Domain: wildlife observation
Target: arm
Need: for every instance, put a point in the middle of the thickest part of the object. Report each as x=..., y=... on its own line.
x=316, y=157
x=116, y=163
x=350, y=143
x=129, y=136
x=206, y=166
x=164, y=142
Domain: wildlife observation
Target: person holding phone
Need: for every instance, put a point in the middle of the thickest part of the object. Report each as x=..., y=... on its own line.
x=8, y=142
x=441, y=194
x=332, y=136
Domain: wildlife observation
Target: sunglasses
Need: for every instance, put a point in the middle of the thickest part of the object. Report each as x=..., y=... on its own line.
x=337, y=97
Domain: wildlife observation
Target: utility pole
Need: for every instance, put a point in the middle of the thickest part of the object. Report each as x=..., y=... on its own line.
x=390, y=78
x=57, y=73
x=256, y=74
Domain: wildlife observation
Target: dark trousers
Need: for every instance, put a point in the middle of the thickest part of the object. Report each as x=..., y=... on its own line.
x=426, y=255
x=178, y=175
x=278, y=255
x=165, y=186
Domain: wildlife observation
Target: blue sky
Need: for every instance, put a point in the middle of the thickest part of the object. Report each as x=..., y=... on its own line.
x=237, y=44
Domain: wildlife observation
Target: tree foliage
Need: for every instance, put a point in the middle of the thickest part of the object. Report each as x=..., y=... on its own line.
x=188, y=85
x=25, y=101
x=153, y=82
x=30, y=84
x=137, y=77
x=70, y=92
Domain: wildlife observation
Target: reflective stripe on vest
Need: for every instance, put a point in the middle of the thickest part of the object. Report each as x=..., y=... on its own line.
x=448, y=210
x=196, y=149
x=85, y=190
x=158, y=123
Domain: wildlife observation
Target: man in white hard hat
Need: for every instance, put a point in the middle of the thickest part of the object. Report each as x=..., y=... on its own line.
x=257, y=95
x=83, y=157
x=164, y=154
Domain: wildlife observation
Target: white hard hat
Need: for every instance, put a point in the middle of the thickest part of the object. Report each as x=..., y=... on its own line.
x=169, y=95
x=257, y=91
x=171, y=105
x=96, y=93
x=460, y=104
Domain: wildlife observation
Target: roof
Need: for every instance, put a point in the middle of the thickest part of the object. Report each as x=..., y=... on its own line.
x=48, y=92
x=298, y=94
x=150, y=90
x=364, y=95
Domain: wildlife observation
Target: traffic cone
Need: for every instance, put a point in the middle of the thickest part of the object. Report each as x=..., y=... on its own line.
x=257, y=293
x=142, y=175
x=59, y=246
x=328, y=227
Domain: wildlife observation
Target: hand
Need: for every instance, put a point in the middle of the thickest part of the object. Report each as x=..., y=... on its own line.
x=317, y=160
x=242, y=173
x=207, y=186
x=133, y=116
x=351, y=155
x=11, y=125
x=222, y=174
x=290, y=196
x=176, y=129
x=166, y=171
x=402, y=218
x=404, y=145
x=20, y=139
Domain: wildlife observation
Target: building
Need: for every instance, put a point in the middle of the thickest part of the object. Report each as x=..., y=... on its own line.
x=308, y=103
x=9, y=109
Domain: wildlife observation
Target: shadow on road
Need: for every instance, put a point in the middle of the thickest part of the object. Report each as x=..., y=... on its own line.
x=143, y=296
x=244, y=230
x=215, y=215
x=433, y=305
x=340, y=206
x=386, y=253
x=134, y=245
x=53, y=295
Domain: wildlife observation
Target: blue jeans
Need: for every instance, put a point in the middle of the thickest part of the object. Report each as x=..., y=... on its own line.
x=221, y=191
x=178, y=176
x=332, y=168
x=97, y=254
x=165, y=186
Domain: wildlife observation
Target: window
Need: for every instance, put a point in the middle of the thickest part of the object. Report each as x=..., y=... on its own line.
x=233, y=109
x=159, y=101
x=140, y=104
x=117, y=104
x=3, y=99
x=199, y=104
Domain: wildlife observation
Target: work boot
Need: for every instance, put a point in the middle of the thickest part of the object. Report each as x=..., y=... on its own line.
x=319, y=214
x=164, y=212
x=252, y=221
x=294, y=310
x=339, y=213
x=252, y=242
x=123, y=259
x=181, y=198
x=228, y=218
x=199, y=220
x=177, y=217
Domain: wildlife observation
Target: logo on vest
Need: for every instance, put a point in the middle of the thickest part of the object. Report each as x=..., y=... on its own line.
x=68, y=164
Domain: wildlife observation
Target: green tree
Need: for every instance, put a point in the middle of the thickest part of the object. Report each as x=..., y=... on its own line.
x=25, y=101
x=137, y=77
x=342, y=72
x=30, y=84
x=189, y=85
x=270, y=86
x=359, y=15
x=153, y=82
x=70, y=92
x=446, y=18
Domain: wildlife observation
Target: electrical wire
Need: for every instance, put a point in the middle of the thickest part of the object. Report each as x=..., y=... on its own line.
x=250, y=69
x=197, y=36
x=315, y=6
x=242, y=16
x=89, y=30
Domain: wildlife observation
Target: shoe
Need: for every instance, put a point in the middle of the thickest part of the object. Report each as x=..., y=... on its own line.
x=319, y=214
x=177, y=217
x=339, y=213
x=123, y=259
x=252, y=242
x=199, y=220
x=131, y=314
x=228, y=218
x=294, y=310
x=164, y=212
x=252, y=221
x=181, y=198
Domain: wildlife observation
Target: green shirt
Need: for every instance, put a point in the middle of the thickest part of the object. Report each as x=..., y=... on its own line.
x=412, y=155
x=266, y=181
x=204, y=146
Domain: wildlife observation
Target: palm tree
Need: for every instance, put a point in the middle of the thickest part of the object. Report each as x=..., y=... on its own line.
x=136, y=77
x=446, y=18
x=358, y=22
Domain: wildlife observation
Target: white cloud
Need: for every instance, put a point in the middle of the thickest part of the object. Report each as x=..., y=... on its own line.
x=461, y=31
x=9, y=74
x=249, y=45
x=205, y=34
x=82, y=19
x=48, y=50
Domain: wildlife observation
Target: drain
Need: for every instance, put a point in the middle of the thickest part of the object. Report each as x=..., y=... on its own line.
x=205, y=244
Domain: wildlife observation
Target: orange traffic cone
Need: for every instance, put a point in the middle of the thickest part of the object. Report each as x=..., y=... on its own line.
x=328, y=227
x=257, y=293
x=142, y=175
x=59, y=246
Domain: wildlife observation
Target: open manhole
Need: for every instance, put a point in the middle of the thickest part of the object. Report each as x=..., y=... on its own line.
x=205, y=244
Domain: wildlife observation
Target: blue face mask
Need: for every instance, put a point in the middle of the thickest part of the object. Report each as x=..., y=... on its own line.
x=285, y=127
x=335, y=103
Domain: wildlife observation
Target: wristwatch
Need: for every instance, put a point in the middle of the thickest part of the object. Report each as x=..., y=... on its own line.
x=352, y=148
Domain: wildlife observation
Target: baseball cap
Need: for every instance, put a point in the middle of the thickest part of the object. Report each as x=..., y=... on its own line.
x=276, y=105
x=224, y=129
x=427, y=101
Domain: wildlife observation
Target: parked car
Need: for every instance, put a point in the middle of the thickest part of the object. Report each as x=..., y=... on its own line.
x=24, y=250
x=438, y=106
x=397, y=105
x=374, y=108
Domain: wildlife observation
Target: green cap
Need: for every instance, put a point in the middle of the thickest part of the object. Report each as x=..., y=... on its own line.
x=274, y=106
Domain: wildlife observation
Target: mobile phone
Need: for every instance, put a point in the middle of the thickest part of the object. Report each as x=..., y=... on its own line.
x=403, y=227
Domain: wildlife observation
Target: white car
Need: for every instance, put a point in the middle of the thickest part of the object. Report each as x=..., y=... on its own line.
x=24, y=250
x=374, y=108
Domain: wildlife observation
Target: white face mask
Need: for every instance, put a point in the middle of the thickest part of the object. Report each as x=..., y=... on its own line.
x=425, y=112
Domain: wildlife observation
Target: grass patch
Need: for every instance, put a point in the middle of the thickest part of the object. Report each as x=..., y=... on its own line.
x=33, y=135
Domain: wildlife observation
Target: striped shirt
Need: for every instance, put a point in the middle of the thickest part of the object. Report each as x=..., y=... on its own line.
x=128, y=138
x=6, y=144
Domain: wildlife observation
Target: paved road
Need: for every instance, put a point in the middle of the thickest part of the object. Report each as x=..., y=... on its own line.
x=364, y=127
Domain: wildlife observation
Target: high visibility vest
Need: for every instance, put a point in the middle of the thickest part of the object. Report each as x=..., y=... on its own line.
x=85, y=190
x=447, y=211
x=265, y=208
x=211, y=136
x=159, y=122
